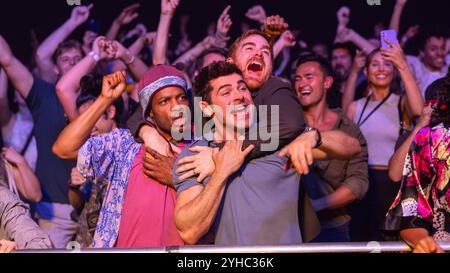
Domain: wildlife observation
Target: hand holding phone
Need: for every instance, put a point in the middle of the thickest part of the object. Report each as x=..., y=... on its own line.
x=390, y=35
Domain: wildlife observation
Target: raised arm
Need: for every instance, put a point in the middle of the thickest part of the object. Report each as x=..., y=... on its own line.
x=413, y=101
x=75, y=134
x=349, y=35
x=397, y=161
x=17, y=73
x=350, y=87
x=162, y=35
x=256, y=13
x=127, y=15
x=396, y=15
x=48, y=47
x=194, y=52
x=5, y=113
x=286, y=40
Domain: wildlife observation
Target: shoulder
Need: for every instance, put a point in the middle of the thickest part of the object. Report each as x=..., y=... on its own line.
x=274, y=85
x=347, y=125
x=185, y=152
x=351, y=110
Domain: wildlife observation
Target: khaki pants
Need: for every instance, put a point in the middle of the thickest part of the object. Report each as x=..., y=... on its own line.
x=55, y=220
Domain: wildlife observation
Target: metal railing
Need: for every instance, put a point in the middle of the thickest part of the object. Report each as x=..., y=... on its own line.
x=353, y=247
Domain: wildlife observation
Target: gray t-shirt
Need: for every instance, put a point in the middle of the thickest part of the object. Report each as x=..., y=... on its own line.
x=260, y=203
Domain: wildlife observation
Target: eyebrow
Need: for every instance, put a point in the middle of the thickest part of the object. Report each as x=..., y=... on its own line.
x=223, y=86
x=249, y=43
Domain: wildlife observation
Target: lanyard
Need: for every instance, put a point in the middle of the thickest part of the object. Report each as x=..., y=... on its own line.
x=374, y=109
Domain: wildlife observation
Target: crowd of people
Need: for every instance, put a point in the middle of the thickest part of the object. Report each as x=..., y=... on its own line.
x=119, y=141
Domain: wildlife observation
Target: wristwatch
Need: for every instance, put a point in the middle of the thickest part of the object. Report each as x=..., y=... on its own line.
x=318, y=136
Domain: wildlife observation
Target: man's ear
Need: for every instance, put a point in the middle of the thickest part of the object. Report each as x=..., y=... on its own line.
x=421, y=54
x=56, y=70
x=328, y=82
x=230, y=60
x=111, y=111
x=206, y=109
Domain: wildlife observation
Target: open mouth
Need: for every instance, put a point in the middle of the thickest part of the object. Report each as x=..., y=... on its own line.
x=255, y=66
x=305, y=92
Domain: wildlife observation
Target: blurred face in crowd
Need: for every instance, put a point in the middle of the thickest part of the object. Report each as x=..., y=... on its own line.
x=341, y=62
x=378, y=71
x=105, y=123
x=68, y=59
x=168, y=107
x=321, y=50
x=232, y=102
x=254, y=58
x=311, y=84
x=433, y=54
x=212, y=57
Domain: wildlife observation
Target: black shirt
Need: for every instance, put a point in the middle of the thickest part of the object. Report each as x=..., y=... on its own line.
x=49, y=120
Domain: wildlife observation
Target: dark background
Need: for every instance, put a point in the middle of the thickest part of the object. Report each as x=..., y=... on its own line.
x=315, y=18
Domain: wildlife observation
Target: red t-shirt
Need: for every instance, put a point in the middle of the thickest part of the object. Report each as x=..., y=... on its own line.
x=148, y=211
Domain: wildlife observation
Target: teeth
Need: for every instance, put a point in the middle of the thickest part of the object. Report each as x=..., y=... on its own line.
x=239, y=108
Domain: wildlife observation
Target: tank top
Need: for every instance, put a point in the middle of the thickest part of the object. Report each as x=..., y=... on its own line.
x=381, y=129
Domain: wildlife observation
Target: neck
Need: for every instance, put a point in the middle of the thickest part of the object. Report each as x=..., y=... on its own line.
x=379, y=93
x=316, y=114
x=221, y=133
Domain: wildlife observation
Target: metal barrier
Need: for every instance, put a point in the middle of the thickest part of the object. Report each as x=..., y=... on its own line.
x=353, y=247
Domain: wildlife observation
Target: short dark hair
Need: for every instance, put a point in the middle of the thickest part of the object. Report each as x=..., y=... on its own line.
x=213, y=50
x=91, y=88
x=202, y=86
x=439, y=90
x=325, y=65
x=234, y=46
x=425, y=36
x=347, y=46
x=67, y=45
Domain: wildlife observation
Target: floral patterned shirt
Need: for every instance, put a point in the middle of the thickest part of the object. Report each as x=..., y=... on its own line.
x=424, y=197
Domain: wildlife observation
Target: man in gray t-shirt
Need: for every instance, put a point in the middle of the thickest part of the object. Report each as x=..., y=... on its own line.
x=255, y=202
x=260, y=203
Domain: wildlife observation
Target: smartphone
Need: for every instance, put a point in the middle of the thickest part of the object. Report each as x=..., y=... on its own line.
x=390, y=35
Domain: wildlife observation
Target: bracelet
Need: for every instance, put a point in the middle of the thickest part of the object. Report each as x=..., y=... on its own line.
x=131, y=60
x=94, y=56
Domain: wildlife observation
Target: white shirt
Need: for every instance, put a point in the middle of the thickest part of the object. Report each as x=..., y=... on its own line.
x=422, y=74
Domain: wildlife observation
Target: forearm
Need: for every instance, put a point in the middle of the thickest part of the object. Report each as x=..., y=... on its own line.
x=342, y=197
x=277, y=48
x=137, y=46
x=338, y=145
x=412, y=236
x=395, y=19
x=348, y=95
x=28, y=183
x=162, y=40
x=5, y=113
x=397, y=161
x=195, y=218
x=362, y=43
x=414, y=98
x=76, y=133
x=137, y=68
x=67, y=88
x=18, y=74
x=113, y=31
x=191, y=54
x=48, y=47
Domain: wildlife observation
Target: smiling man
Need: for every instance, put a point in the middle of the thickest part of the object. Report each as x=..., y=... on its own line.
x=137, y=211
